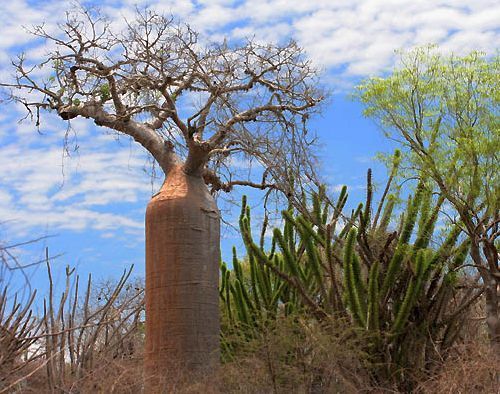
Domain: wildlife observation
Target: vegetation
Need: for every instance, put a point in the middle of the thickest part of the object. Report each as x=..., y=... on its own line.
x=389, y=297
x=327, y=303
x=88, y=340
x=395, y=280
x=444, y=113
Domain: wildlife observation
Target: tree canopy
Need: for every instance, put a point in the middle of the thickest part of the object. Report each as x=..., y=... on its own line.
x=182, y=98
x=444, y=110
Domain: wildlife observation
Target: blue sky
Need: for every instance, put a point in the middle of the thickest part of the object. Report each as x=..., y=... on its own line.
x=92, y=200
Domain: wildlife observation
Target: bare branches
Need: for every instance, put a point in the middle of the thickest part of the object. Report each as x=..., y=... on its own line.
x=218, y=185
x=18, y=329
x=78, y=334
x=142, y=80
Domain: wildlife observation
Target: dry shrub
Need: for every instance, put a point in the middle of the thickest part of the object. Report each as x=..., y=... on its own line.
x=110, y=375
x=470, y=365
x=180, y=380
x=113, y=376
x=293, y=354
x=89, y=341
x=473, y=368
x=18, y=326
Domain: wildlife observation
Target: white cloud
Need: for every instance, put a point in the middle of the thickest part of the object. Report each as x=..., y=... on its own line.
x=359, y=36
x=362, y=36
x=5, y=198
x=41, y=187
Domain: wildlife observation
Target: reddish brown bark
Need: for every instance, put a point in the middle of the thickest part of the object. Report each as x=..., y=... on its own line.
x=182, y=266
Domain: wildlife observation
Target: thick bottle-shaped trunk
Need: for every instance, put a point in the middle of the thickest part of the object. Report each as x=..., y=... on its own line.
x=182, y=266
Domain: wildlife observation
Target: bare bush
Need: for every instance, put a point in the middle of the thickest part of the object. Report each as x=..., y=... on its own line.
x=18, y=330
x=85, y=341
x=82, y=337
x=473, y=368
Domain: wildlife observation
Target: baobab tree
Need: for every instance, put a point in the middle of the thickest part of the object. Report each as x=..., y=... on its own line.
x=194, y=107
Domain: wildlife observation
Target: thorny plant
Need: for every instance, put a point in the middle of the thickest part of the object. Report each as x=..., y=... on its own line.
x=73, y=337
x=406, y=290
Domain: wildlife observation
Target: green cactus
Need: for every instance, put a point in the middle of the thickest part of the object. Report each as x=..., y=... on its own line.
x=373, y=316
x=391, y=285
x=387, y=214
x=352, y=280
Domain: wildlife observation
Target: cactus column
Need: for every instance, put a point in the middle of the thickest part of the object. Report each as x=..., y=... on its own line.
x=182, y=264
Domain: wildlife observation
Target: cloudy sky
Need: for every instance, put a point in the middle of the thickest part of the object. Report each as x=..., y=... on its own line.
x=91, y=198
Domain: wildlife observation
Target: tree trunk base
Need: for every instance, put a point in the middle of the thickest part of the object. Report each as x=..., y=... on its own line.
x=182, y=267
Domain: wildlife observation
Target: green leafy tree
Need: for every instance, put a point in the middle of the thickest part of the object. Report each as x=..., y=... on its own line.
x=443, y=110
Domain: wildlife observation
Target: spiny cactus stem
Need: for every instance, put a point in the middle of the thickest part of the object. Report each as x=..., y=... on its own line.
x=262, y=259
x=396, y=160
